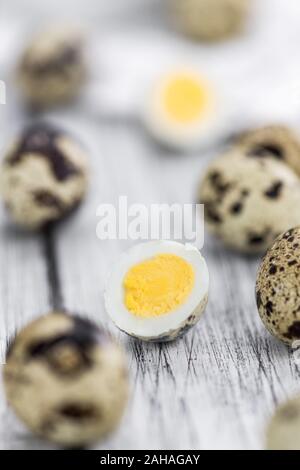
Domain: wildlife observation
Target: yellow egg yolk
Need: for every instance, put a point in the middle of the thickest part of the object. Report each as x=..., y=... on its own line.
x=158, y=285
x=185, y=98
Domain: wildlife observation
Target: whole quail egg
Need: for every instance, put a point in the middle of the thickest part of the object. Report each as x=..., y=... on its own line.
x=283, y=430
x=66, y=379
x=249, y=201
x=158, y=290
x=183, y=110
x=52, y=68
x=277, y=287
x=43, y=176
x=209, y=20
x=279, y=142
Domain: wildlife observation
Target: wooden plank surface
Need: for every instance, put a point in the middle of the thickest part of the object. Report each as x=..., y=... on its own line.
x=214, y=388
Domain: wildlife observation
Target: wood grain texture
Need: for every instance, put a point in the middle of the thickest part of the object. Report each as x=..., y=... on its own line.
x=216, y=387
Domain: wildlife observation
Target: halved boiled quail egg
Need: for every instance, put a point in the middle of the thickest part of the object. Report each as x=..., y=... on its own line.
x=158, y=290
x=183, y=110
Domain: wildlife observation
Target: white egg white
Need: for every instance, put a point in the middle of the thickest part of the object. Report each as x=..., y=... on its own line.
x=188, y=136
x=167, y=326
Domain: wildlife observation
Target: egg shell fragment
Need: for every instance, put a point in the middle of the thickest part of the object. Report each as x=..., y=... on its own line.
x=277, y=287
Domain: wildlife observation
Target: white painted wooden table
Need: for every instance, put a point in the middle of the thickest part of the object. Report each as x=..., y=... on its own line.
x=216, y=387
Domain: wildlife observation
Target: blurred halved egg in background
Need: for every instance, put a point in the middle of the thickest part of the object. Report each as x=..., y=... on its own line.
x=183, y=110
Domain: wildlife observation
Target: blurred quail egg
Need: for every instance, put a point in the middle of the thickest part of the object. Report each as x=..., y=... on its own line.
x=283, y=432
x=52, y=68
x=66, y=379
x=44, y=176
x=249, y=201
x=277, y=141
x=209, y=20
x=158, y=290
x=183, y=111
x=277, y=287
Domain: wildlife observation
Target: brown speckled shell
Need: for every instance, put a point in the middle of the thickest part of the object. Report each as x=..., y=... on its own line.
x=52, y=68
x=66, y=379
x=43, y=177
x=249, y=201
x=279, y=142
x=278, y=287
x=185, y=326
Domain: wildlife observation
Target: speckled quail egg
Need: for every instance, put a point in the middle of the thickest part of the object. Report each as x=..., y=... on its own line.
x=158, y=290
x=279, y=142
x=209, y=20
x=66, y=379
x=52, y=68
x=283, y=432
x=248, y=200
x=183, y=110
x=277, y=287
x=43, y=176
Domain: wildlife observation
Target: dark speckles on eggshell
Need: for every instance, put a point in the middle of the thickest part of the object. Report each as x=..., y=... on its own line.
x=258, y=299
x=277, y=142
x=69, y=55
x=255, y=239
x=65, y=399
x=263, y=150
x=293, y=331
x=44, y=176
x=245, y=193
x=249, y=201
x=278, y=287
x=269, y=307
x=236, y=208
x=75, y=343
x=46, y=198
x=82, y=333
x=212, y=213
x=217, y=181
x=78, y=411
x=273, y=269
x=274, y=191
x=287, y=234
x=293, y=262
x=53, y=67
x=42, y=140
